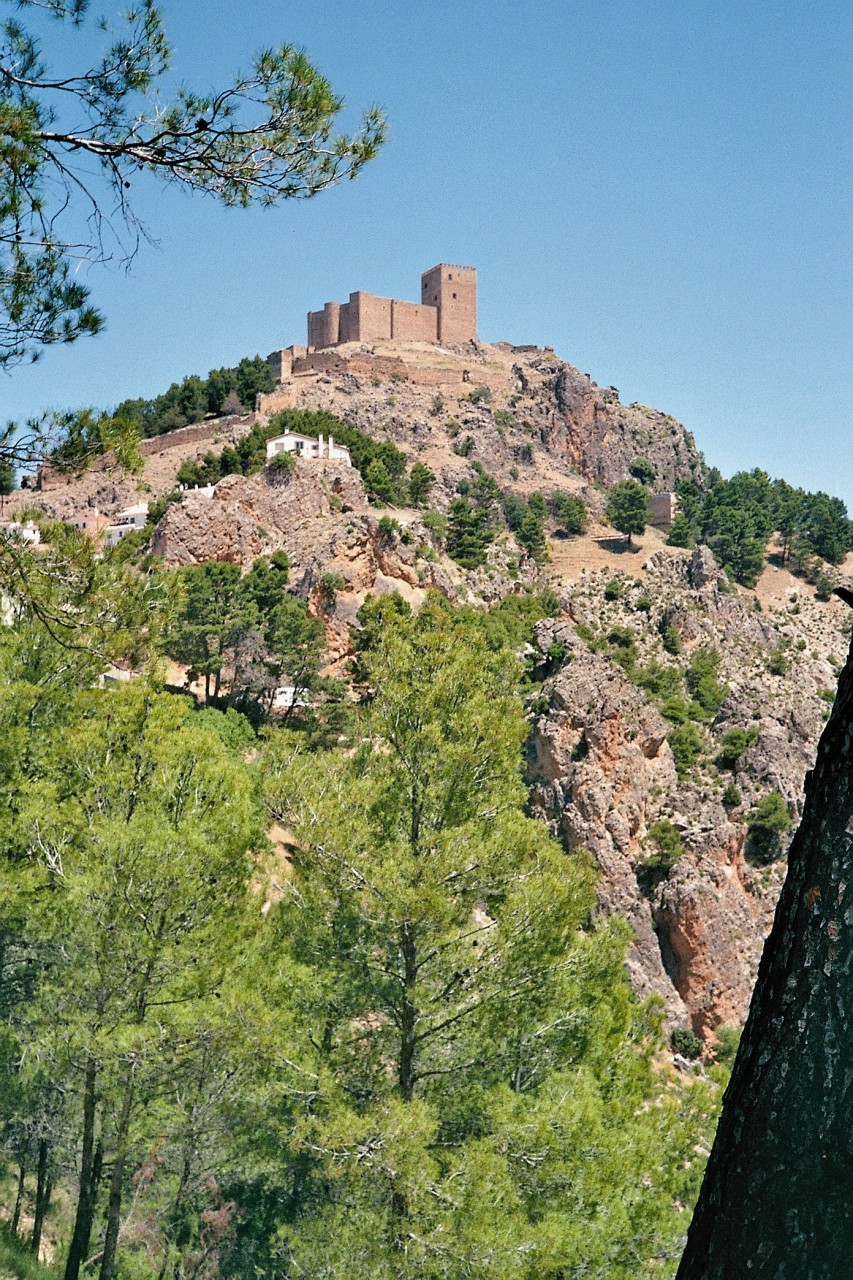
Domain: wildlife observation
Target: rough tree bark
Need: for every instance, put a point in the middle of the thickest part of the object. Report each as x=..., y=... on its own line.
x=777, y=1198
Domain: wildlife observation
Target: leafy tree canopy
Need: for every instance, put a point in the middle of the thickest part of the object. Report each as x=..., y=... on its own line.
x=75, y=142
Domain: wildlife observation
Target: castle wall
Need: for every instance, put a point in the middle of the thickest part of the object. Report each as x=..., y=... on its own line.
x=447, y=312
x=412, y=322
x=369, y=317
x=324, y=326
x=453, y=290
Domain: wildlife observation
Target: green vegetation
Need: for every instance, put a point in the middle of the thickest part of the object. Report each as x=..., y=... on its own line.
x=686, y=1042
x=76, y=136
x=290, y=1005
x=736, y=518
x=767, y=823
x=687, y=745
x=701, y=680
x=247, y=632
x=570, y=513
x=628, y=508
x=641, y=469
x=735, y=743
x=227, y=390
x=665, y=839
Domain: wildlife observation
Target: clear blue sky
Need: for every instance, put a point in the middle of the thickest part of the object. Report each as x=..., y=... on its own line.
x=661, y=191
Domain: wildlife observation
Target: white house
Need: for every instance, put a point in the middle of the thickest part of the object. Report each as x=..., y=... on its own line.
x=126, y=522
x=307, y=447
x=27, y=532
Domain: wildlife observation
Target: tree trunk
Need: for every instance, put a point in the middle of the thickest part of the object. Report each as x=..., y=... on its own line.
x=408, y=1014
x=44, y=1189
x=108, y=1257
x=777, y=1199
x=19, y=1200
x=86, y=1196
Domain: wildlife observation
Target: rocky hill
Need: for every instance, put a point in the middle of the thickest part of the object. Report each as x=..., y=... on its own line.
x=653, y=661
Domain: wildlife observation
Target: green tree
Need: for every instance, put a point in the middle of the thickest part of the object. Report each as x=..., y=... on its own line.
x=211, y=615
x=421, y=480
x=133, y=831
x=680, y=532
x=469, y=1037
x=531, y=535
x=736, y=544
x=628, y=508
x=569, y=512
x=8, y=482
x=72, y=144
x=469, y=533
x=379, y=483
x=767, y=823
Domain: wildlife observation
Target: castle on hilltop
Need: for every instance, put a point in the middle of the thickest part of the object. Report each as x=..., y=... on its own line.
x=447, y=312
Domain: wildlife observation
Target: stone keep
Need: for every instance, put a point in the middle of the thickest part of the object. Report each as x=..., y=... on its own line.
x=447, y=312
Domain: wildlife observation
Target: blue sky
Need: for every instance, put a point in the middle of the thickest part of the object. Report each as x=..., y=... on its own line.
x=660, y=191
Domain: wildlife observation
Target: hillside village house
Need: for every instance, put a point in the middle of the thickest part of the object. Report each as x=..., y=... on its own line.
x=126, y=522
x=307, y=447
x=27, y=532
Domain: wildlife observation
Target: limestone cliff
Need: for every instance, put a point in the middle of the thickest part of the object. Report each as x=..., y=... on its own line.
x=603, y=769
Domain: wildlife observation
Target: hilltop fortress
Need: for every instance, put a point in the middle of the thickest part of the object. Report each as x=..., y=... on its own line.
x=447, y=312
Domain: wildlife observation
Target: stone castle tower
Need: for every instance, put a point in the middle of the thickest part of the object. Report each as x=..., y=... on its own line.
x=447, y=312
x=453, y=292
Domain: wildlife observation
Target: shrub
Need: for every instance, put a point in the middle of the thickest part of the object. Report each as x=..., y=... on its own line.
x=778, y=663
x=479, y=395
x=436, y=523
x=332, y=582
x=701, y=679
x=686, y=744
x=735, y=743
x=641, y=469
x=388, y=527
x=665, y=837
x=615, y=589
x=823, y=585
x=767, y=823
x=282, y=466
x=731, y=795
x=671, y=640
x=503, y=418
x=726, y=1046
x=643, y=604
x=686, y=1042
x=526, y=454
x=464, y=446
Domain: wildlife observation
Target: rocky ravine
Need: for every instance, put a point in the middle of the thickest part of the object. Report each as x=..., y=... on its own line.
x=603, y=771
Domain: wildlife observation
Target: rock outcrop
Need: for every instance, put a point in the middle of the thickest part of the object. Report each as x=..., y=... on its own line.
x=603, y=770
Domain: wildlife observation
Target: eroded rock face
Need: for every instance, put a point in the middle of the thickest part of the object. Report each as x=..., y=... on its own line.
x=603, y=769
x=337, y=550
x=598, y=758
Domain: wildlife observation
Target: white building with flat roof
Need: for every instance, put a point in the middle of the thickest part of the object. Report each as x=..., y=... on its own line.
x=126, y=522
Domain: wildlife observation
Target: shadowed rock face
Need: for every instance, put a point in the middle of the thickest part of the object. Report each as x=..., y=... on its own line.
x=777, y=1200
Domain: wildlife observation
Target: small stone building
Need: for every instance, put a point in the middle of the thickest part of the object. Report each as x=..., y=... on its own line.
x=663, y=508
